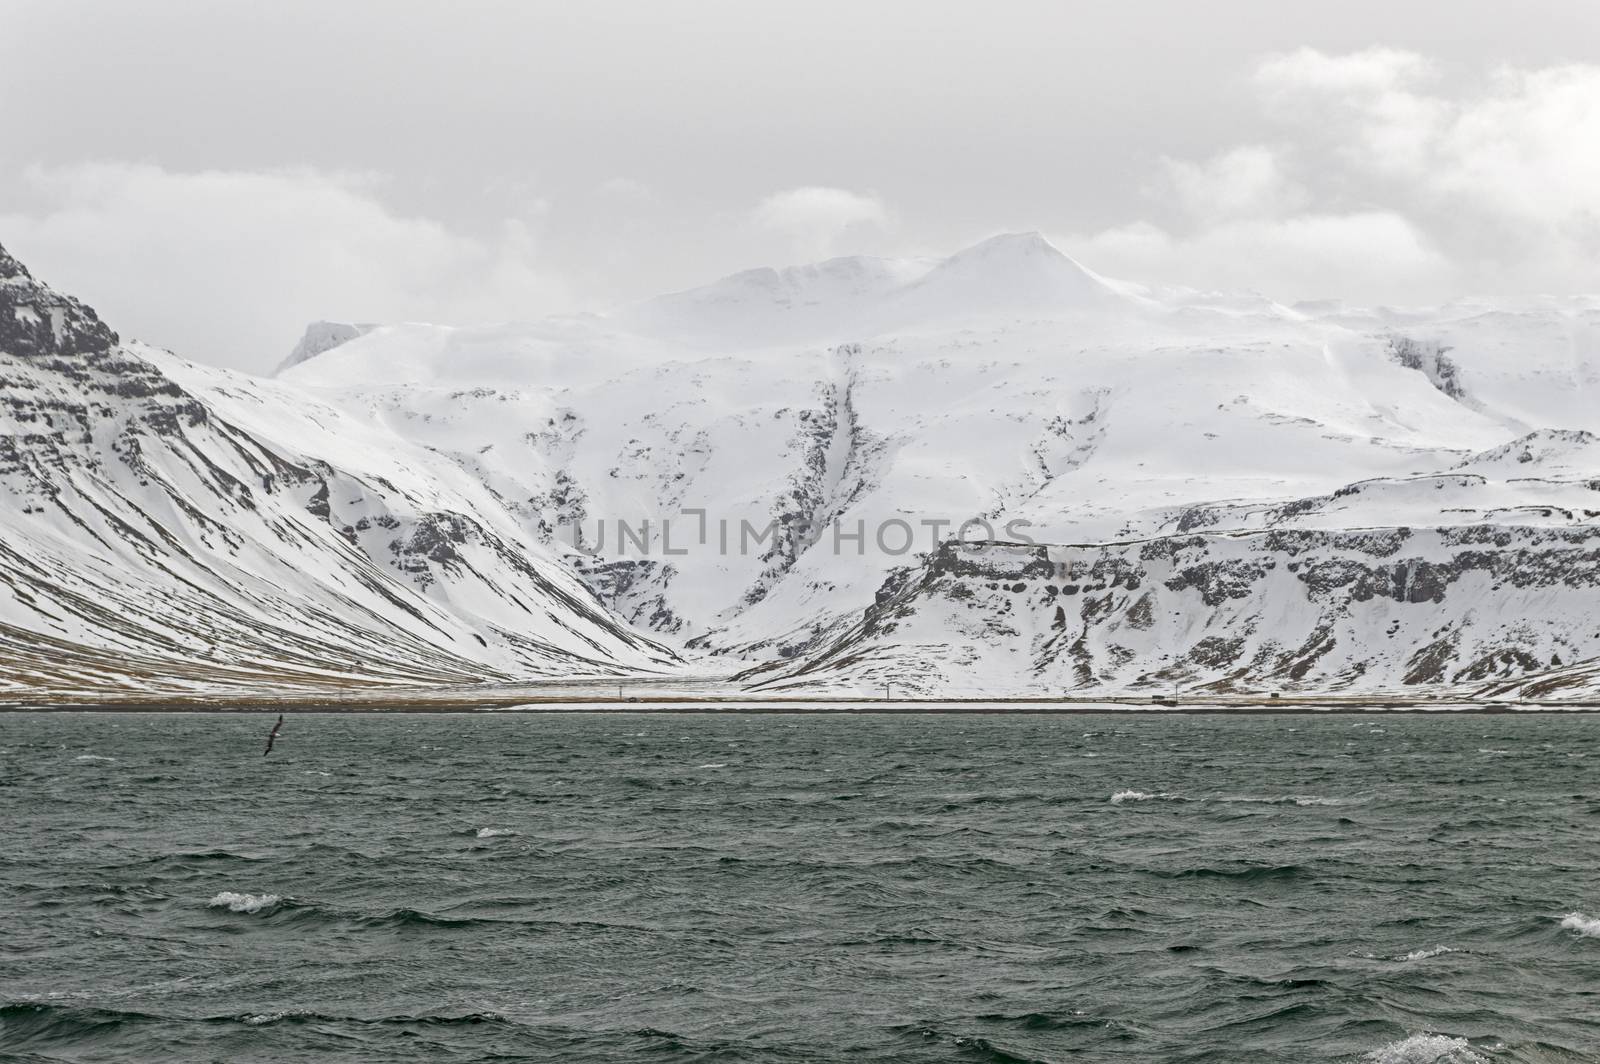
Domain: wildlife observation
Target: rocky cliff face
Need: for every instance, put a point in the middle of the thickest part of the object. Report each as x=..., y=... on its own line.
x=167, y=526
x=37, y=321
x=1292, y=610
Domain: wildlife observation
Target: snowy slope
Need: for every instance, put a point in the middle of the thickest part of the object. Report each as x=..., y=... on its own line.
x=166, y=525
x=1009, y=384
x=1386, y=499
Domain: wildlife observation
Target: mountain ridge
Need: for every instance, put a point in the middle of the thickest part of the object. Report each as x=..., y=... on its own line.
x=173, y=526
x=862, y=429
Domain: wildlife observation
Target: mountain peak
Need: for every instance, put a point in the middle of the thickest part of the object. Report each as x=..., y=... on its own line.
x=1031, y=242
x=1006, y=274
x=1030, y=251
x=11, y=269
x=320, y=337
x=35, y=319
x=1013, y=272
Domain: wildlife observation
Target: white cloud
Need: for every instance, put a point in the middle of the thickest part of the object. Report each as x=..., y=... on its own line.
x=1379, y=175
x=816, y=219
x=1369, y=254
x=1248, y=181
x=1373, y=71
x=1529, y=149
x=1524, y=147
x=1381, y=184
x=228, y=266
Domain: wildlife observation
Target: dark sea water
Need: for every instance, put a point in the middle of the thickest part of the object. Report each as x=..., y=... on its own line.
x=799, y=888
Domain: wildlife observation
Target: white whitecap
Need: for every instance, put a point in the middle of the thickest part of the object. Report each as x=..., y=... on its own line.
x=1142, y=796
x=1587, y=926
x=1426, y=954
x=494, y=833
x=1426, y=1049
x=243, y=903
x=714, y=765
x=262, y=1019
x=92, y=757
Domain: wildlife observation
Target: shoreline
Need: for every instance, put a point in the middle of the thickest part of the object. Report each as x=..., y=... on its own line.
x=813, y=707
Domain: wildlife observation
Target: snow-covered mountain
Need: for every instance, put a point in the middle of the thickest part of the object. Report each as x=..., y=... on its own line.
x=991, y=473
x=169, y=526
x=322, y=336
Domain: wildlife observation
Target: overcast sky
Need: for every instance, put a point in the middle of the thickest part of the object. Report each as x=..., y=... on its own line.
x=213, y=175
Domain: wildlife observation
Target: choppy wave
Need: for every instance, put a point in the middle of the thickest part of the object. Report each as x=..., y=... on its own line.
x=266, y=1019
x=243, y=903
x=1427, y=1049
x=1243, y=873
x=1284, y=799
x=968, y=1046
x=192, y=856
x=400, y=918
x=40, y=1024
x=1047, y=1021
x=44, y=1023
x=300, y=911
x=1144, y=796
x=1587, y=926
x=1246, y=799
x=920, y=848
